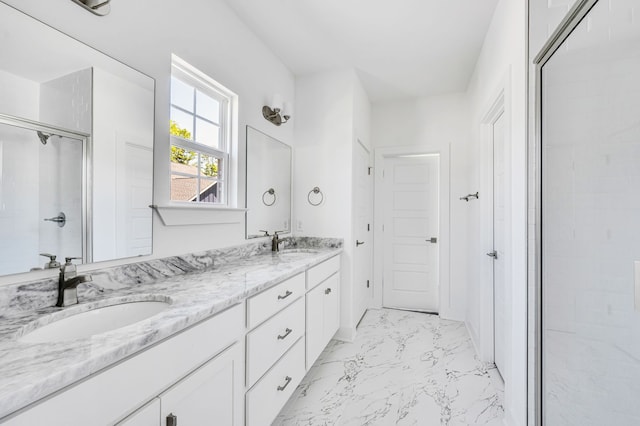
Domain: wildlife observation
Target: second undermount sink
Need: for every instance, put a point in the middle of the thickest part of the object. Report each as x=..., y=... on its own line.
x=296, y=253
x=94, y=321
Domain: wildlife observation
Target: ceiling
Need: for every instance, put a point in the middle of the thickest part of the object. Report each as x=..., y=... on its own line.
x=400, y=49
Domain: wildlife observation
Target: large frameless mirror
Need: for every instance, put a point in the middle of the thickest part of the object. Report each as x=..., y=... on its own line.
x=76, y=150
x=268, y=185
x=590, y=142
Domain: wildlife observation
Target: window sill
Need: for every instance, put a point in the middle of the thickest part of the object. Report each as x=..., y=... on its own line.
x=176, y=215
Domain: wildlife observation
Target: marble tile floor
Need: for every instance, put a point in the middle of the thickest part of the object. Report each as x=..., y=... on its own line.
x=404, y=368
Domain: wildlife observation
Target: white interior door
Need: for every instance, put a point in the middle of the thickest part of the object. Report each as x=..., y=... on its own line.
x=499, y=277
x=411, y=223
x=363, y=208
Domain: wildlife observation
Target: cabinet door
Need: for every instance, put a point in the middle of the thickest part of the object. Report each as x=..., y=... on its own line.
x=211, y=395
x=149, y=415
x=315, y=324
x=331, y=306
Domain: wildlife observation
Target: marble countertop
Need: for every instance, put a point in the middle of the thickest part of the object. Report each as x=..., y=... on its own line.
x=31, y=371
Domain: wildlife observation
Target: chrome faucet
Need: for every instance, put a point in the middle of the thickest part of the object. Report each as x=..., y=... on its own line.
x=275, y=242
x=68, y=283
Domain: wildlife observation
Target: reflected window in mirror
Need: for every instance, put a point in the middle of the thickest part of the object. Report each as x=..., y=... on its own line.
x=200, y=129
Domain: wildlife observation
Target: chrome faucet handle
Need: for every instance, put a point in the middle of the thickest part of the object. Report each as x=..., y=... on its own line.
x=266, y=233
x=68, y=260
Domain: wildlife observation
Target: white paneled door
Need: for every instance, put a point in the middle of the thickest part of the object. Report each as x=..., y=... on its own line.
x=363, y=207
x=498, y=254
x=411, y=224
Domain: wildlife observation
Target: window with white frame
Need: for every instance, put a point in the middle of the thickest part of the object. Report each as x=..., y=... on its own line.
x=200, y=129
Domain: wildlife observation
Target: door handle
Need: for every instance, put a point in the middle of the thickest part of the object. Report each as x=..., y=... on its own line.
x=432, y=240
x=359, y=243
x=493, y=254
x=327, y=291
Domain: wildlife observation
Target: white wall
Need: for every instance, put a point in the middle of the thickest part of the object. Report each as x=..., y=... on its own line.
x=502, y=66
x=333, y=113
x=424, y=123
x=19, y=96
x=205, y=33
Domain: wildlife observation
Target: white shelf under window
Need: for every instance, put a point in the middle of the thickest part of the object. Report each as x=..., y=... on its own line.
x=176, y=215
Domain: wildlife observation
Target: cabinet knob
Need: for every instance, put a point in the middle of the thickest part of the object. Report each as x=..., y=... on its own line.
x=172, y=420
x=327, y=291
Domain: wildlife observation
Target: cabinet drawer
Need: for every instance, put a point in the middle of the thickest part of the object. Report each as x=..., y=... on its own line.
x=269, y=302
x=265, y=400
x=269, y=341
x=321, y=272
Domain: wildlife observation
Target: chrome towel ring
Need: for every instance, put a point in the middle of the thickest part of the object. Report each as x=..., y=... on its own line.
x=271, y=192
x=316, y=191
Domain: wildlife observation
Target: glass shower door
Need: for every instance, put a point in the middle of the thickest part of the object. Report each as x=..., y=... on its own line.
x=590, y=168
x=42, y=200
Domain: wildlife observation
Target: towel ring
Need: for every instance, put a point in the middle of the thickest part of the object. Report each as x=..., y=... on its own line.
x=315, y=190
x=269, y=191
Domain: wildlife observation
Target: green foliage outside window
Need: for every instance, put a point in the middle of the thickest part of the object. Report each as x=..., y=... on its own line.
x=182, y=156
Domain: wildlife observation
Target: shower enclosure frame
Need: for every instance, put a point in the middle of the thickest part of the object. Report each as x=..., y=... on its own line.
x=87, y=172
x=574, y=17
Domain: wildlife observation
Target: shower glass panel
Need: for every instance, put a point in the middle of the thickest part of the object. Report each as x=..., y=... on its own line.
x=41, y=197
x=591, y=221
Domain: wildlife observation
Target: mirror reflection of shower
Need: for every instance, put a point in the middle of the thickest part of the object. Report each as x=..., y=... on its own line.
x=42, y=193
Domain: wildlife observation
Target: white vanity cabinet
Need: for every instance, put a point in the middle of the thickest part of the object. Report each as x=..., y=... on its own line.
x=204, y=358
x=323, y=307
x=236, y=368
x=302, y=315
x=275, y=348
x=211, y=395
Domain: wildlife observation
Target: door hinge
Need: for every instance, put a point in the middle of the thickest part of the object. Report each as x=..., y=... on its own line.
x=368, y=227
x=369, y=170
x=367, y=283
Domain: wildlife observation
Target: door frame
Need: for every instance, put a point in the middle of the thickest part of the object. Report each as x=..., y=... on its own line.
x=444, y=151
x=358, y=144
x=484, y=338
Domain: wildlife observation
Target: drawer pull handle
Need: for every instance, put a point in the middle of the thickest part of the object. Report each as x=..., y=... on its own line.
x=172, y=420
x=287, y=332
x=287, y=294
x=327, y=291
x=287, y=381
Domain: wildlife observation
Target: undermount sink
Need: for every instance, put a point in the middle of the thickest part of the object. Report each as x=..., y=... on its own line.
x=94, y=321
x=294, y=253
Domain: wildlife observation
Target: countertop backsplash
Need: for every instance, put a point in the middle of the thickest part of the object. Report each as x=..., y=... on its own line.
x=34, y=295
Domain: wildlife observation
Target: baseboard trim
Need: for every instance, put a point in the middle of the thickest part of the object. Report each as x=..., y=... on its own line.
x=474, y=339
x=510, y=420
x=346, y=334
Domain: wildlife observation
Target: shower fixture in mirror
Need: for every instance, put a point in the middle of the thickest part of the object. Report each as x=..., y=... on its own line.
x=76, y=149
x=268, y=185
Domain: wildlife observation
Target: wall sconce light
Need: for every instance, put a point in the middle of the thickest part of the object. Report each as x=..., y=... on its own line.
x=275, y=113
x=97, y=7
